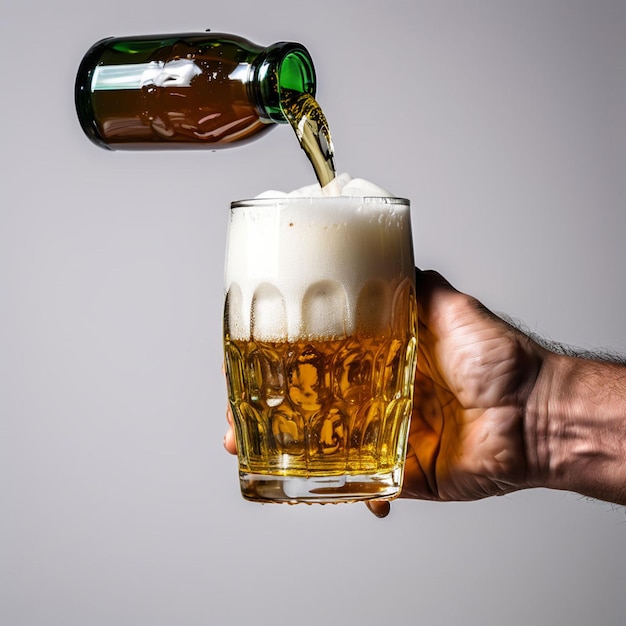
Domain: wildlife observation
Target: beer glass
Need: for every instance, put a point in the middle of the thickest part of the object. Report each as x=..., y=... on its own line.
x=320, y=338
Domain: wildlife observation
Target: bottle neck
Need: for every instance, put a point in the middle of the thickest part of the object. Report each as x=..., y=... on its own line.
x=281, y=67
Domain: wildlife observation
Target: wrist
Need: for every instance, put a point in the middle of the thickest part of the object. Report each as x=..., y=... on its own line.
x=545, y=443
x=575, y=427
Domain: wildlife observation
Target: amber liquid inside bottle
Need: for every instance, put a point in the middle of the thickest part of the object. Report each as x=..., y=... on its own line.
x=184, y=92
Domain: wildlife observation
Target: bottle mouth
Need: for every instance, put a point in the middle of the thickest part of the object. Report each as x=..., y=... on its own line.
x=285, y=66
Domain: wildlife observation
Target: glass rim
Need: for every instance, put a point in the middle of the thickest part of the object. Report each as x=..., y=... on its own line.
x=281, y=200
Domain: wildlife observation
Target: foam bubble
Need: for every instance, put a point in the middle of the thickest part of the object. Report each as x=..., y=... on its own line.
x=341, y=185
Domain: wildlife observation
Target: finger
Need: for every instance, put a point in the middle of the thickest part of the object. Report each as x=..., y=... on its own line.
x=433, y=291
x=420, y=480
x=417, y=485
x=229, y=441
x=229, y=437
x=427, y=280
x=380, y=508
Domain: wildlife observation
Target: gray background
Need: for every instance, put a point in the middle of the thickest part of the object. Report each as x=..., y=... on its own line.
x=504, y=122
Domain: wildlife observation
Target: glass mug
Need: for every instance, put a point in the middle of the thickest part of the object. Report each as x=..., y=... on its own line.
x=320, y=341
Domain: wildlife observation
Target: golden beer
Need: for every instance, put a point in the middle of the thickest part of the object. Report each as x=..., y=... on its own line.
x=320, y=332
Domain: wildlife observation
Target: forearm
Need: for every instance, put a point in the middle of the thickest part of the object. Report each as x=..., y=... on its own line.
x=575, y=427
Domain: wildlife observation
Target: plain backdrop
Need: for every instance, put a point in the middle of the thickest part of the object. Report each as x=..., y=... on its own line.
x=504, y=122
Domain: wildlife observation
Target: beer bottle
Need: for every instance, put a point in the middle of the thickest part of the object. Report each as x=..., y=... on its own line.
x=186, y=90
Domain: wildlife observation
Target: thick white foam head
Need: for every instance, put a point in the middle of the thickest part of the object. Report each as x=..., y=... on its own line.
x=313, y=265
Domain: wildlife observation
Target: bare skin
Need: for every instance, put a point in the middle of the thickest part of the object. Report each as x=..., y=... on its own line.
x=494, y=412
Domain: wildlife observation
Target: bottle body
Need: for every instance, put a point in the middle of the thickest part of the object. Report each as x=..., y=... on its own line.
x=191, y=90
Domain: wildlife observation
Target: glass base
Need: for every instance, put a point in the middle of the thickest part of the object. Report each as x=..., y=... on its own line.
x=320, y=489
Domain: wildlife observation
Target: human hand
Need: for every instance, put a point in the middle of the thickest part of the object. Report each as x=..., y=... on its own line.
x=474, y=375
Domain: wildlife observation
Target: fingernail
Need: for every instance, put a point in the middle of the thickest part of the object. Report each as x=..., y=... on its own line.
x=380, y=508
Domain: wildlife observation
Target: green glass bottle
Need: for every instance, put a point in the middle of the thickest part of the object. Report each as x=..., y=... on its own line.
x=193, y=90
